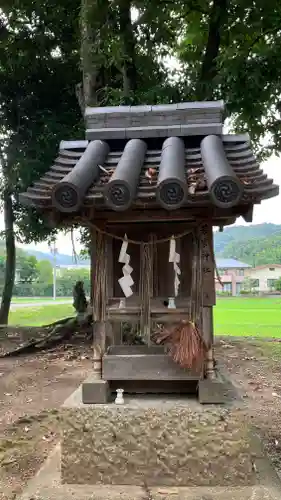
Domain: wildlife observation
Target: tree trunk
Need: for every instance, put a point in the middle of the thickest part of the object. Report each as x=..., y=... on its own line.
x=128, y=39
x=217, y=20
x=10, y=259
x=94, y=24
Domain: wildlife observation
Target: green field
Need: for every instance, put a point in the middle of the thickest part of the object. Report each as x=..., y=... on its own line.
x=257, y=317
x=22, y=300
x=40, y=315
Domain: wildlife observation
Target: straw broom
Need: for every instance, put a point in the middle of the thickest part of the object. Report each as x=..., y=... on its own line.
x=184, y=343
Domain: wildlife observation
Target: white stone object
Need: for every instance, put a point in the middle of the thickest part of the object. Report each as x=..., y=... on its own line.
x=122, y=304
x=119, y=400
x=171, y=303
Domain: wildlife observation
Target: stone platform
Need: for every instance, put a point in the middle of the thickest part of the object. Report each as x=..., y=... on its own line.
x=149, y=449
x=158, y=442
x=47, y=485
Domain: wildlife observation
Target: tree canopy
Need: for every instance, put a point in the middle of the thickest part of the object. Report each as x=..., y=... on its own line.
x=226, y=49
x=38, y=106
x=57, y=56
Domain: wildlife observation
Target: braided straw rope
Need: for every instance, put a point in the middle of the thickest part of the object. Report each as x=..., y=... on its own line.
x=132, y=241
x=153, y=241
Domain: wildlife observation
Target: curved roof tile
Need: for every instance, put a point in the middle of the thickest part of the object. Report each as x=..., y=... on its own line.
x=233, y=177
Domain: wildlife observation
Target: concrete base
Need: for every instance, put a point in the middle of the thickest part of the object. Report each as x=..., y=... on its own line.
x=95, y=391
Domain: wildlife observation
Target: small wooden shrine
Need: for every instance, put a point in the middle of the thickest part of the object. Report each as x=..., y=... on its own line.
x=151, y=182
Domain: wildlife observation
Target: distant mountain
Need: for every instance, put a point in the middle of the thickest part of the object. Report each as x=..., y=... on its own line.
x=255, y=245
x=237, y=234
x=62, y=259
x=228, y=244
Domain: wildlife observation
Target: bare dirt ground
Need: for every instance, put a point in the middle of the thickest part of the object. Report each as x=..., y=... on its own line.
x=255, y=368
x=32, y=389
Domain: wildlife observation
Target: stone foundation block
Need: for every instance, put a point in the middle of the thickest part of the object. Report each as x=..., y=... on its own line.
x=95, y=391
x=157, y=443
x=213, y=391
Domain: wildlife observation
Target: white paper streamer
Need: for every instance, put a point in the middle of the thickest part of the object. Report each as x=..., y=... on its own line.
x=174, y=257
x=126, y=282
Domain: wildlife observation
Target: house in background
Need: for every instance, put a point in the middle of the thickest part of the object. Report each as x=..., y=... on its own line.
x=265, y=276
x=232, y=273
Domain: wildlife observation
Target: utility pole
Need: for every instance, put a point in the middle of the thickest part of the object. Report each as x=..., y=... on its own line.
x=54, y=252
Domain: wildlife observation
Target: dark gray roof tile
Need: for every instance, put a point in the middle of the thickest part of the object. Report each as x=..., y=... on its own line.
x=199, y=175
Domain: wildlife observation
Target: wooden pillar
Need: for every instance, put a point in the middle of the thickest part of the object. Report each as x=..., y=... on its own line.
x=209, y=294
x=109, y=265
x=101, y=291
x=146, y=288
x=93, y=261
x=208, y=334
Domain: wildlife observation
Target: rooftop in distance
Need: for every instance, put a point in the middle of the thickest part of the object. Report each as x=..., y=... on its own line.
x=231, y=264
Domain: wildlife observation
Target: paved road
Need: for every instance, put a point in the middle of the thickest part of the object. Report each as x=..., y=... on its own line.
x=39, y=303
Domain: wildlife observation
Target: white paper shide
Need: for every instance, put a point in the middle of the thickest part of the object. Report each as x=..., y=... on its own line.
x=174, y=257
x=126, y=282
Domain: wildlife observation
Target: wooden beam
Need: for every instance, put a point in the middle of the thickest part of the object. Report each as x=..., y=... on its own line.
x=93, y=260
x=189, y=215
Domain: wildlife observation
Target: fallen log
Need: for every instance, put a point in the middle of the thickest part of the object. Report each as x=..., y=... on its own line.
x=61, y=332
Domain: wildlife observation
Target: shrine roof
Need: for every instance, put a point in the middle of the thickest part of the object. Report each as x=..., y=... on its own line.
x=215, y=170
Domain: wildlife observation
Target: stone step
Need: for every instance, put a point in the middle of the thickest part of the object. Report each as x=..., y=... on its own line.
x=47, y=486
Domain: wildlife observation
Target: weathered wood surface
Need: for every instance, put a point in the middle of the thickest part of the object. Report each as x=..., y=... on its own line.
x=142, y=363
x=208, y=326
x=208, y=265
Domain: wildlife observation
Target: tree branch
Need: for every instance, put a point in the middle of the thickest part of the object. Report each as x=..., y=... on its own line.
x=193, y=8
x=270, y=31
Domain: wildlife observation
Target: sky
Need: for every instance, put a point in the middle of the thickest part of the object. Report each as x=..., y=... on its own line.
x=268, y=211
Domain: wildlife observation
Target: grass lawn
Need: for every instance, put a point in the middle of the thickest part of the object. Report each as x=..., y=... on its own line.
x=40, y=315
x=22, y=300
x=256, y=317
x=241, y=316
